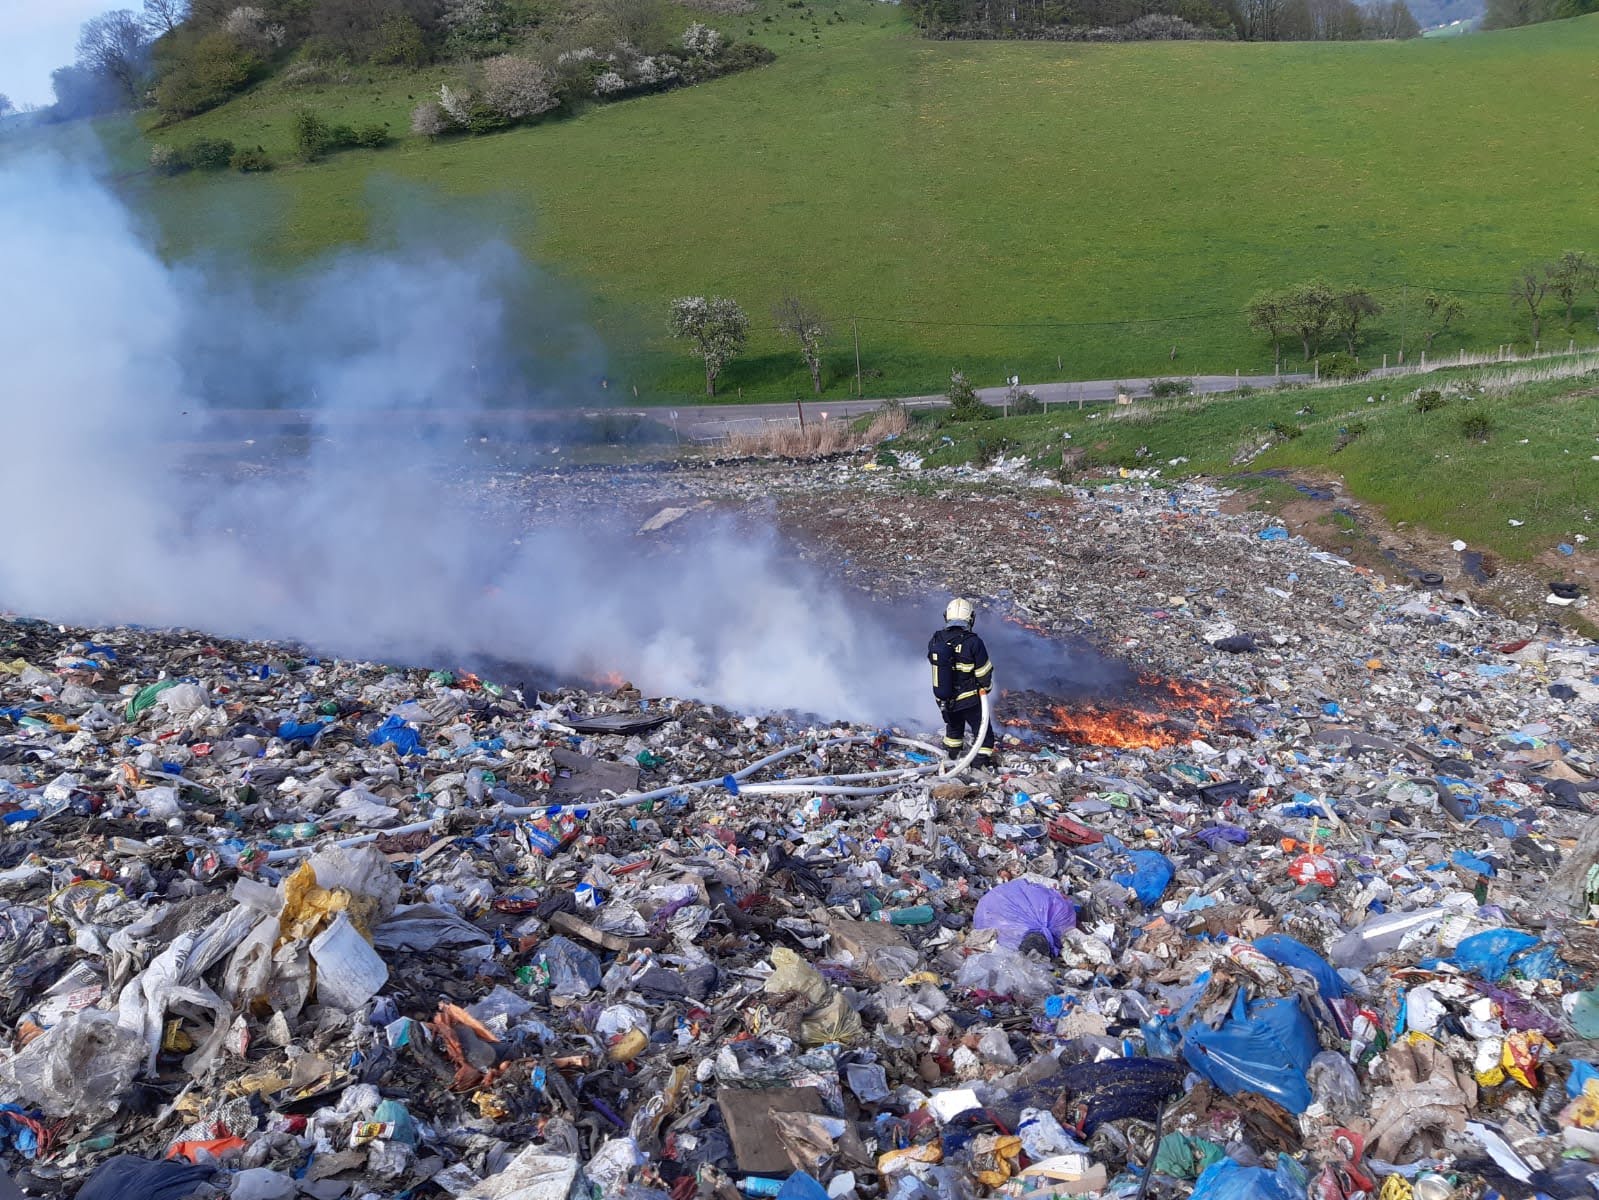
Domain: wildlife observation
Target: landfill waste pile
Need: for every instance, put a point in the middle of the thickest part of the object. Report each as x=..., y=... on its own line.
x=1307, y=914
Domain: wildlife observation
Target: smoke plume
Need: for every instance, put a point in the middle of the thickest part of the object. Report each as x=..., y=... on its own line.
x=113, y=359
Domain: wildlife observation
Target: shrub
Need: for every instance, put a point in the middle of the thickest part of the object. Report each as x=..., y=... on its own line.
x=744, y=56
x=341, y=137
x=400, y=42
x=1476, y=426
x=1340, y=366
x=484, y=118
x=1022, y=403
x=207, y=154
x=313, y=136
x=251, y=160
x=1285, y=431
x=166, y=160
x=429, y=119
x=701, y=41
x=518, y=88
x=1349, y=433
x=1165, y=389
x=199, y=73
x=372, y=137
x=964, y=403
x=1430, y=399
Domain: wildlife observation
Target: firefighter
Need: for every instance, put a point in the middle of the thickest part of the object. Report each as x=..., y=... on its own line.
x=962, y=675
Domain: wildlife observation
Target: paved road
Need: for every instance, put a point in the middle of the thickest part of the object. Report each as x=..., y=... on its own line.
x=701, y=421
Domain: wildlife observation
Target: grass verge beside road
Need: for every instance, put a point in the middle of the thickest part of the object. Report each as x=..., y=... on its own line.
x=1506, y=459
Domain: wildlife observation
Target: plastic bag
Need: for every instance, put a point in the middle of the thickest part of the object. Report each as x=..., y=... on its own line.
x=129, y=1177
x=835, y=1021
x=1266, y=1046
x=395, y=732
x=80, y=1068
x=1152, y=872
x=1005, y=973
x=1184, y=1157
x=1019, y=908
x=572, y=970
x=1287, y=952
x=791, y=973
x=1488, y=954
x=1335, y=1085
x=531, y=1175
x=1226, y=1180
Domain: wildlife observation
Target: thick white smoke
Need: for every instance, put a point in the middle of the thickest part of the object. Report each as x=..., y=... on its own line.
x=111, y=358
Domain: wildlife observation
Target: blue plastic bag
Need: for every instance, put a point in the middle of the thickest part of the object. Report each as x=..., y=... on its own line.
x=398, y=734
x=1152, y=872
x=1265, y=1046
x=801, y=1186
x=294, y=731
x=1018, y=908
x=1489, y=954
x=1581, y=1073
x=1226, y=1180
x=1287, y=952
x=129, y=1177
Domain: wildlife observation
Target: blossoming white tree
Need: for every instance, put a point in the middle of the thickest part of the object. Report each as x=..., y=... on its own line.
x=518, y=88
x=717, y=326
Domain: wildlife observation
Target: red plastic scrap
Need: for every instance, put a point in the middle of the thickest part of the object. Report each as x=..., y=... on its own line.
x=1073, y=833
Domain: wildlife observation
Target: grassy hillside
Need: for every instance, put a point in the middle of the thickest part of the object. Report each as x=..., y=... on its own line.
x=1001, y=208
x=1498, y=445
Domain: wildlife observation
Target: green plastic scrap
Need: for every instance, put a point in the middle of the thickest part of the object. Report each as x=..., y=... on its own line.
x=1184, y=1157
x=146, y=698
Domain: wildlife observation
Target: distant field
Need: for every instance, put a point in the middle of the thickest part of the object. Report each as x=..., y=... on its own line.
x=1522, y=480
x=1052, y=211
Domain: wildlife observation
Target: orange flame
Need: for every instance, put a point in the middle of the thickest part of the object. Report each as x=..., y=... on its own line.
x=1166, y=712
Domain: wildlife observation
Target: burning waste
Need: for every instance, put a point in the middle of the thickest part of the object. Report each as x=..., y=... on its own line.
x=1307, y=920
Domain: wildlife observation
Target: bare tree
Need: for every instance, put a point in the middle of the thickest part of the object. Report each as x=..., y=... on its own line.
x=163, y=16
x=1570, y=275
x=1442, y=312
x=6, y=107
x=1308, y=311
x=1528, y=291
x=718, y=328
x=1353, y=307
x=805, y=325
x=1268, y=313
x=114, y=46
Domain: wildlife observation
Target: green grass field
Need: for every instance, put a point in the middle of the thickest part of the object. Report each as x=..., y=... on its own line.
x=1053, y=211
x=1538, y=463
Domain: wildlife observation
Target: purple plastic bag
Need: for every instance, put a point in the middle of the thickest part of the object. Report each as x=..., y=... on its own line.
x=1019, y=908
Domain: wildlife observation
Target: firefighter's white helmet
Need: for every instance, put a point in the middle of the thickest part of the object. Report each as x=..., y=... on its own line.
x=959, y=612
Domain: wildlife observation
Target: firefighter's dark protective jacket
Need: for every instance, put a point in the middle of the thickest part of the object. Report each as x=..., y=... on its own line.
x=960, y=667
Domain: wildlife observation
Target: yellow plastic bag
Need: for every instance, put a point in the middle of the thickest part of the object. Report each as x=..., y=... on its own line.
x=835, y=1021
x=794, y=974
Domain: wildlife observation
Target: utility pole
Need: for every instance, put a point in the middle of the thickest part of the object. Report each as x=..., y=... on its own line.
x=855, y=325
x=1404, y=308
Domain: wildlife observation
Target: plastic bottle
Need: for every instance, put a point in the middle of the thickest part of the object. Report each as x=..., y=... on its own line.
x=920, y=914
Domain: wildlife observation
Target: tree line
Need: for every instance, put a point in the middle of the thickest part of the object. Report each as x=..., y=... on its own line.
x=1506, y=14
x=518, y=58
x=1131, y=20
x=1316, y=314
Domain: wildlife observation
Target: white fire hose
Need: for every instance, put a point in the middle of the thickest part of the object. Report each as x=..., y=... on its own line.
x=812, y=785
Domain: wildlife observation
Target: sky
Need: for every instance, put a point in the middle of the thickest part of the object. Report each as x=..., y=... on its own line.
x=36, y=37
